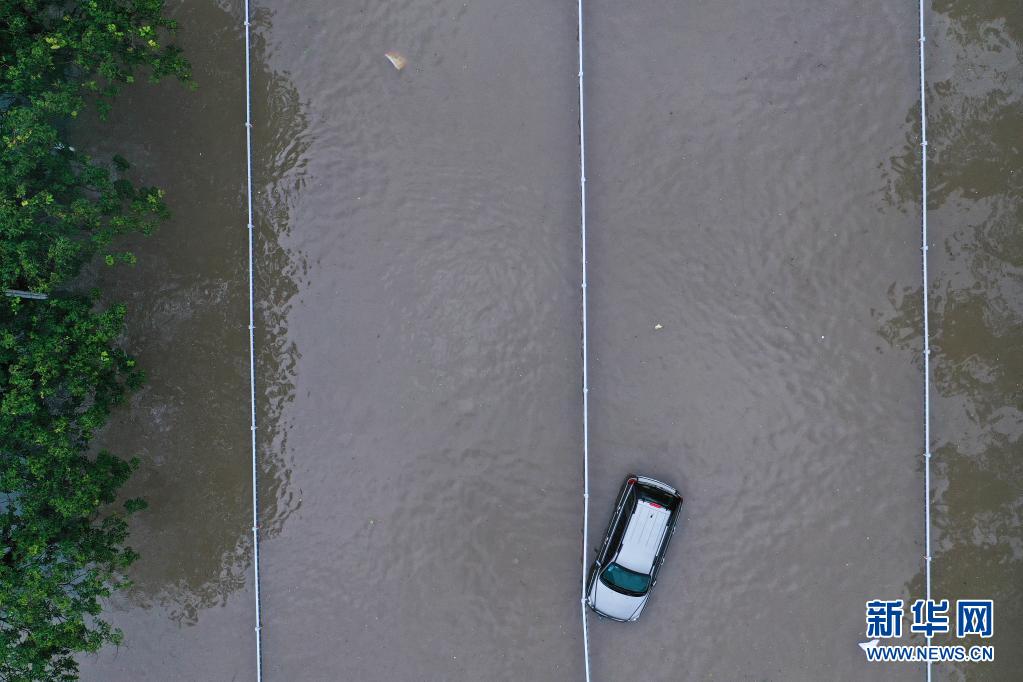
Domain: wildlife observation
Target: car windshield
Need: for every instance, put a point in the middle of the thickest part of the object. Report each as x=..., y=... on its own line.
x=623, y=580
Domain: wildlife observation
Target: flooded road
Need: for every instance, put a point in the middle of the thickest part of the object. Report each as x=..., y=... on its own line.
x=737, y=201
x=189, y=615
x=433, y=434
x=753, y=189
x=977, y=284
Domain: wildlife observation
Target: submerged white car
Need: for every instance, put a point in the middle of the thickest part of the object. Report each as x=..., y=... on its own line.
x=643, y=521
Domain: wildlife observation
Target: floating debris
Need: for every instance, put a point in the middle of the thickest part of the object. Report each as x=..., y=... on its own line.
x=658, y=326
x=397, y=59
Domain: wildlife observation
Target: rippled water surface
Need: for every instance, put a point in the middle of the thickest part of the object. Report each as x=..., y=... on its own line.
x=753, y=179
x=977, y=289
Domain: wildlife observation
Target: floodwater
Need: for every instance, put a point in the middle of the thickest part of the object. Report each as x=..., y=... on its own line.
x=976, y=213
x=755, y=336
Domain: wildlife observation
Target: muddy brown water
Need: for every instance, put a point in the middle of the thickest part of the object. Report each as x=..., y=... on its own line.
x=753, y=190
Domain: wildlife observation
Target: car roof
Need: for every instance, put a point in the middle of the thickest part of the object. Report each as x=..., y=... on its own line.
x=643, y=535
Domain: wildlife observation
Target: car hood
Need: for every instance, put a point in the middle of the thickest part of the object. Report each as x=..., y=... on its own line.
x=614, y=604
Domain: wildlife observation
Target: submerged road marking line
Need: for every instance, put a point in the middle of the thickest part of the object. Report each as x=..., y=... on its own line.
x=252, y=347
x=926, y=319
x=586, y=383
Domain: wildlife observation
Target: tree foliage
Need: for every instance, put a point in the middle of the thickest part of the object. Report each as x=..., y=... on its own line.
x=58, y=53
x=62, y=369
x=58, y=208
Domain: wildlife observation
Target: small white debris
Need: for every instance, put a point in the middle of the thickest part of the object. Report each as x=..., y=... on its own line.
x=658, y=326
x=397, y=59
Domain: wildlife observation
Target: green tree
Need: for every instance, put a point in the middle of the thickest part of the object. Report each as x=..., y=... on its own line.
x=61, y=366
x=57, y=53
x=57, y=207
x=60, y=374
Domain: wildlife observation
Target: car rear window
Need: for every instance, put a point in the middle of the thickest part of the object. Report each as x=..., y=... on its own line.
x=658, y=497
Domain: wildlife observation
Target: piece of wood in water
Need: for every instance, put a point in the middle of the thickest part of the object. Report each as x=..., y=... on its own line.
x=17, y=293
x=397, y=59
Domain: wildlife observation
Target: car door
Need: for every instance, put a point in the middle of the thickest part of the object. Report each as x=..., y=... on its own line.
x=616, y=528
x=663, y=549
